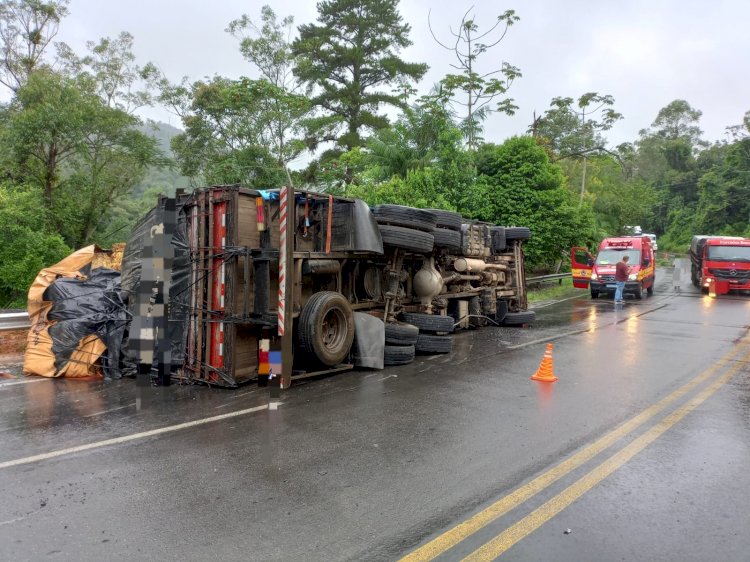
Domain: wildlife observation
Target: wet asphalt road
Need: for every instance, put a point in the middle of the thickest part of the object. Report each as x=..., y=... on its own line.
x=373, y=465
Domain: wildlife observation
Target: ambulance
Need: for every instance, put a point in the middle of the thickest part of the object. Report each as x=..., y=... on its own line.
x=598, y=273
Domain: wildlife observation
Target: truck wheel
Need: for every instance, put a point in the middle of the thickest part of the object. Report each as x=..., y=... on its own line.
x=400, y=333
x=639, y=291
x=428, y=343
x=650, y=289
x=398, y=355
x=326, y=327
x=519, y=318
x=430, y=322
x=594, y=294
x=407, y=217
x=447, y=219
x=407, y=239
x=445, y=238
x=517, y=233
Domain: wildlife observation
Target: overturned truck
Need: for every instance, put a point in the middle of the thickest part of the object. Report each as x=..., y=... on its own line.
x=323, y=282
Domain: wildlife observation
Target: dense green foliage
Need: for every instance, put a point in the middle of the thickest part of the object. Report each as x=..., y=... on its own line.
x=346, y=60
x=79, y=166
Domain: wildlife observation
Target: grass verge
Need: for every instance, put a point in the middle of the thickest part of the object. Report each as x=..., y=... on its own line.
x=551, y=292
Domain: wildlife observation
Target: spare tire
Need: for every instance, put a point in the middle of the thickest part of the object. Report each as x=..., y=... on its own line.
x=517, y=233
x=400, y=333
x=428, y=343
x=398, y=355
x=446, y=238
x=430, y=322
x=408, y=217
x=519, y=318
x=326, y=328
x=407, y=239
x=447, y=219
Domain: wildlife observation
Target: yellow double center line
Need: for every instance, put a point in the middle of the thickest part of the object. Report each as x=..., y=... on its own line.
x=527, y=525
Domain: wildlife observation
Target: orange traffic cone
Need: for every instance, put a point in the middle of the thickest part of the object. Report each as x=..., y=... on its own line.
x=545, y=373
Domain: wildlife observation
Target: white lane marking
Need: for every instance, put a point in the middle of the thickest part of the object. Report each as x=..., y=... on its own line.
x=2, y=384
x=110, y=410
x=127, y=438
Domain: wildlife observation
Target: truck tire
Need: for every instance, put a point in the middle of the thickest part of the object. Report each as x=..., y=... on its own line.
x=594, y=294
x=428, y=343
x=407, y=217
x=407, y=239
x=650, y=289
x=326, y=328
x=400, y=333
x=639, y=291
x=517, y=233
x=519, y=318
x=447, y=219
x=398, y=355
x=445, y=238
x=430, y=322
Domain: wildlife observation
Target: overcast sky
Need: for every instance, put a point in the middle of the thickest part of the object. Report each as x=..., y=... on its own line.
x=644, y=53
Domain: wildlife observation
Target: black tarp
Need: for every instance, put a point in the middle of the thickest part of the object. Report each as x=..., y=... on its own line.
x=82, y=307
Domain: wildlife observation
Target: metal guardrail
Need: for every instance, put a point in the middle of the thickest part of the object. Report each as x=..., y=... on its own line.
x=14, y=321
x=542, y=279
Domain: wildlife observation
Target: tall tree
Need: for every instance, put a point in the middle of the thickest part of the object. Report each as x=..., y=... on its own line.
x=573, y=128
x=111, y=66
x=348, y=61
x=480, y=88
x=268, y=46
x=27, y=27
x=666, y=158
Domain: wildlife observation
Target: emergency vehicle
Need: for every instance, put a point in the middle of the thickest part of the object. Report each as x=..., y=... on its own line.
x=598, y=273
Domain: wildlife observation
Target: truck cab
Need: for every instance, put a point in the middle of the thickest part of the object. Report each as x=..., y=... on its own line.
x=724, y=262
x=598, y=273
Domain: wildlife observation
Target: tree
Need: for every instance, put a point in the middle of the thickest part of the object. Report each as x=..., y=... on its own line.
x=269, y=48
x=226, y=128
x=666, y=158
x=420, y=161
x=480, y=89
x=576, y=134
x=27, y=27
x=724, y=193
x=111, y=66
x=616, y=199
x=347, y=61
x=26, y=243
x=422, y=135
x=519, y=185
x=82, y=155
x=679, y=121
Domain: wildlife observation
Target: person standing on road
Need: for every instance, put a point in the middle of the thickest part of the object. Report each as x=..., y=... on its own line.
x=622, y=270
